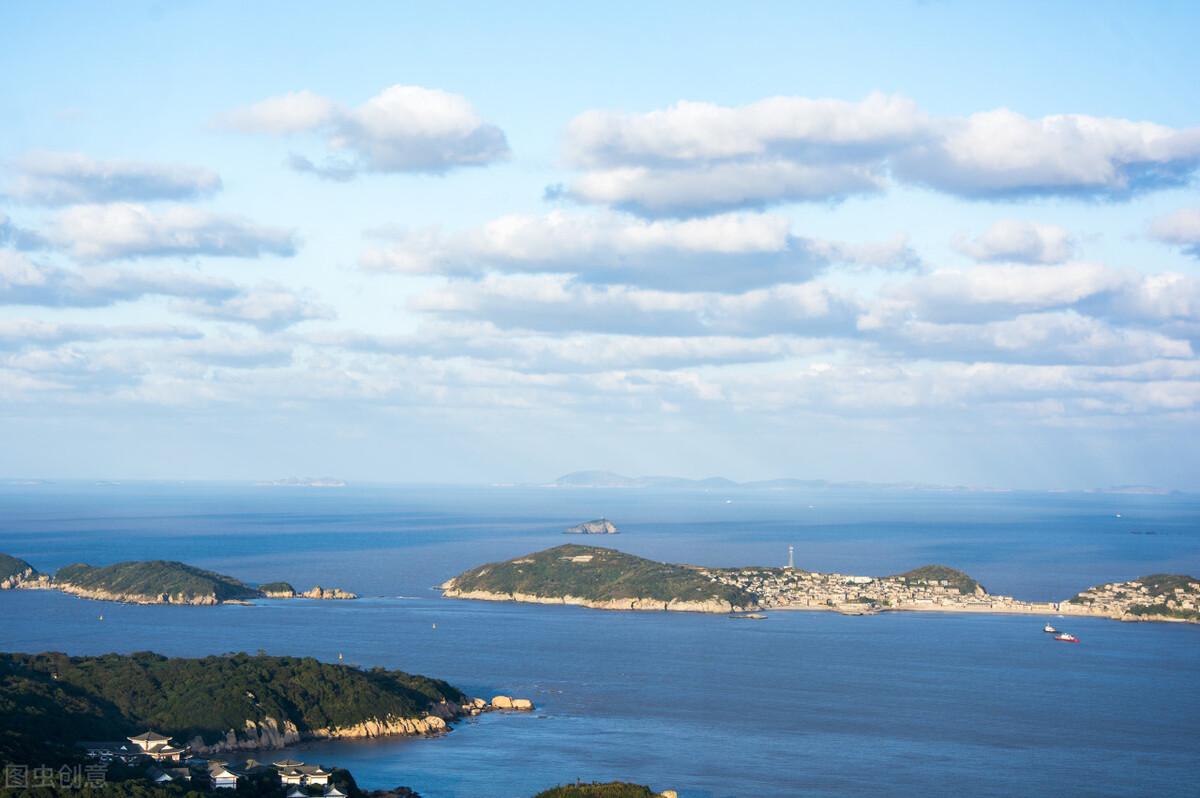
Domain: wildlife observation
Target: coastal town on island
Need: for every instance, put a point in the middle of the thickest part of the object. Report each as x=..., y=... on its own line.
x=604, y=578
x=940, y=588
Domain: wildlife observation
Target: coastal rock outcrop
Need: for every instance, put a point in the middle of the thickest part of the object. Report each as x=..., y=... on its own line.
x=16, y=573
x=265, y=734
x=508, y=702
x=319, y=592
x=136, y=598
x=711, y=605
x=600, y=526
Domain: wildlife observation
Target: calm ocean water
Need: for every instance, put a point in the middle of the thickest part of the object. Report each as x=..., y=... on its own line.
x=800, y=704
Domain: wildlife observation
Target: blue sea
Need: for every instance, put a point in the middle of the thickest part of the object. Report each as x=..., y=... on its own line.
x=800, y=704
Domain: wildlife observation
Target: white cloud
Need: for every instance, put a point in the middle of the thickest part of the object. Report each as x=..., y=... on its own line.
x=1020, y=242
x=65, y=178
x=268, y=307
x=696, y=158
x=790, y=126
x=555, y=303
x=23, y=333
x=128, y=230
x=1049, y=337
x=725, y=252
x=576, y=352
x=982, y=292
x=401, y=129
x=27, y=282
x=1181, y=229
x=1002, y=153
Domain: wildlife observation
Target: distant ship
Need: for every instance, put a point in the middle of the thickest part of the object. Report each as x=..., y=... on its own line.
x=1049, y=629
x=1066, y=637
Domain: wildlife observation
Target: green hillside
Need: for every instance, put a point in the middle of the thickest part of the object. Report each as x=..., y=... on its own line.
x=597, y=574
x=155, y=578
x=52, y=700
x=941, y=573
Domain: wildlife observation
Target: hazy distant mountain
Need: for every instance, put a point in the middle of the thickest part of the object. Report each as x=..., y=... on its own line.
x=608, y=479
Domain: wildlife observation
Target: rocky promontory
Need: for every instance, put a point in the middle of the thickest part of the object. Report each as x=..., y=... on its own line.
x=15, y=573
x=600, y=526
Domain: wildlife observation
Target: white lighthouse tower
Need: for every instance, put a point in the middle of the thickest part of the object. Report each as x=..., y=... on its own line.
x=791, y=558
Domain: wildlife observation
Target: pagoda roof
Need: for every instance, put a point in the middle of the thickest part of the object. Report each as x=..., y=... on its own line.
x=149, y=737
x=288, y=763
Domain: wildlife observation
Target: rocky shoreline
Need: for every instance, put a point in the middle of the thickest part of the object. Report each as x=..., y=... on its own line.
x=269, y=733
x=725, y=608
x=713, y=606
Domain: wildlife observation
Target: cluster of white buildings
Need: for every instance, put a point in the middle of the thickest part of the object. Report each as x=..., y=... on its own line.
x=167, y=762
x=1118, y=598
x=788, y=587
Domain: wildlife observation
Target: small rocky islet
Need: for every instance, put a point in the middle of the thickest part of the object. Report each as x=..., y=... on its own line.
x=151, y=582
x=598, y=526
x=603, y=578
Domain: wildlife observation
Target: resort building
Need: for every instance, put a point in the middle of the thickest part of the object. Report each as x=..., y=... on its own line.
x=222, y=777
x=298, y=774
x=157, y=747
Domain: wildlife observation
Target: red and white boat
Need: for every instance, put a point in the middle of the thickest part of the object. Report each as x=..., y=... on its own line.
x=1066, y=637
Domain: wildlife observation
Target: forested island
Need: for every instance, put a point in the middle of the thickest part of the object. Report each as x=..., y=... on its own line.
x=150, y=582
x=604, y=578
x=50, y=701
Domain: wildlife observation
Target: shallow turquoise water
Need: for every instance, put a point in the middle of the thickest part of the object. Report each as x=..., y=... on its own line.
x=800, y=704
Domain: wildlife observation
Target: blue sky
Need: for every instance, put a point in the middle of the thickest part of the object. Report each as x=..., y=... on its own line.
x=938, y=241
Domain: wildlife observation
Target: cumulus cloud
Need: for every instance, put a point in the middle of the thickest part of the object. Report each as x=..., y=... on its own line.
x=1020, y=242
x=575, y=352
x=24, y=333
x=1180, y=229
x=269, y=307
x=129, y=230
x=24, y=281
x=696, y=158
x=796, y=127
x=725, y=252
x=556, y=303
x=401, y=129
x=1004, y=154
x=1050, y=337
x=714, y=188
x=66, y=178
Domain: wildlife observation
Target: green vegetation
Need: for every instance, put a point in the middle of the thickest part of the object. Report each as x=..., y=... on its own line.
x=277, y=587
x=153, y=578
x=14, y=567
x=613, y=789
x=938, y=574
x=597, y=574
x=1162, y=584
x=52, y=701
